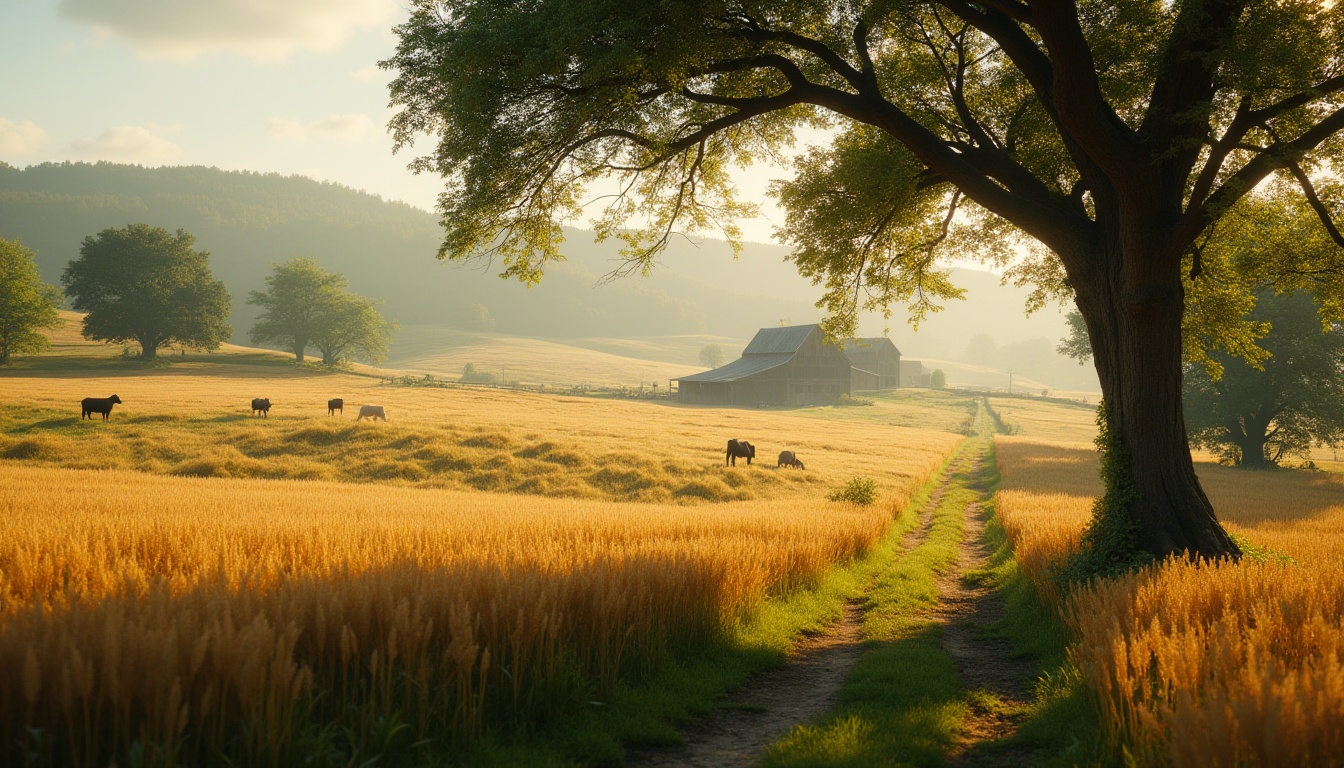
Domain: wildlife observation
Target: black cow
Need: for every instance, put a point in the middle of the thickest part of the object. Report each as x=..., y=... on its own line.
x=335, y=404
x=262, y=404
x=739, y=449
x=789, y=459
x=92, y=405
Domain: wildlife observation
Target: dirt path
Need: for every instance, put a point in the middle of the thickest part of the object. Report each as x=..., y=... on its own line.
x=986, y=664
x=807, y=687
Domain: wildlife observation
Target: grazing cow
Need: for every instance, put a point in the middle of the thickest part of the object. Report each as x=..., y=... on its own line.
x=92, y=405
x=374, y=412
x=739, y=449
x=788, y=459
x=262, y=405
x=335, y=404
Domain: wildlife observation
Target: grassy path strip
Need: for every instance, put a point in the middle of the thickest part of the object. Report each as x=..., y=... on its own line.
x=904, y=703
x=830, y=621
x=955, y=636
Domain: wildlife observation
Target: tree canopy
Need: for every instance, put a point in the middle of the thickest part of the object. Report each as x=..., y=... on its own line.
x=306, y=306
x=27, y=305
x=351, y=327
x=1255, y=414
x=144, y=284
x=1111, y=135
x=711, y=356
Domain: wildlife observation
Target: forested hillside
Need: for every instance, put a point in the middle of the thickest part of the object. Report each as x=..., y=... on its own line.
x=250, y=220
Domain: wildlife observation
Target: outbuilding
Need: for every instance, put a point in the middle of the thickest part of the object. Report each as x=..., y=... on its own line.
x=875, y=356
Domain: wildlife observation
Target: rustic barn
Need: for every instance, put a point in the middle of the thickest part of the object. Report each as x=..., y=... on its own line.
x=791, y=365
x=875, y=356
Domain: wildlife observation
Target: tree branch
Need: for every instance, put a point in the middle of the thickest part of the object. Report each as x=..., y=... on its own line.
x=1314, y=200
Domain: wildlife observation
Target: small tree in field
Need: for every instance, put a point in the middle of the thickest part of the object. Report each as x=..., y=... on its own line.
x=938, y=379
x=350, y=326
x=297, y=293
x=144, y=284
x=1255, y=415
x=27, y=304
x=306, y=306
x=711, y=356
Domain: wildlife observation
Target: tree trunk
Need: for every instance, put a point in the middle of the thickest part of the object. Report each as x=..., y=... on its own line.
x=4, y=356
x=1250, y=439
x=149, y=350
x=1133, y=306
x=299, y=346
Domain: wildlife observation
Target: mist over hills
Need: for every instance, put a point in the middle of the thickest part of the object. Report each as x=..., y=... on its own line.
x=248, y=221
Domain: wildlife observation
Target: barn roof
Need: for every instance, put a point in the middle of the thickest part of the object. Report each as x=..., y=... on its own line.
x=868, y=346
x=742, y=367
x=789, y=338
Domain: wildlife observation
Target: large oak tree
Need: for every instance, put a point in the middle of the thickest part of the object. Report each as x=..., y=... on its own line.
x=142, y=283
x=1111, y=134
x=1255, y=414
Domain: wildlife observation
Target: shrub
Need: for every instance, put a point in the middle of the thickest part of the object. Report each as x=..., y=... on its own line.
x=859, y=490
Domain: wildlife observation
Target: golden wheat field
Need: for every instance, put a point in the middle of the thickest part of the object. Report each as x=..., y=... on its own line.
x=1195, y=665
x=259, y=593
x=187, y=581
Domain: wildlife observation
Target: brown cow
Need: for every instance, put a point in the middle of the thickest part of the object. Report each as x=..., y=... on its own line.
x=788, y=459
x=739, y=449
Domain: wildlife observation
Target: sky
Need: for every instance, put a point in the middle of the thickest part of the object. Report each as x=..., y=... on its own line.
x=285, y=86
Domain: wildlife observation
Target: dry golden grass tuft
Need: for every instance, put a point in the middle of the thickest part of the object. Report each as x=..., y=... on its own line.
x=1193, y=665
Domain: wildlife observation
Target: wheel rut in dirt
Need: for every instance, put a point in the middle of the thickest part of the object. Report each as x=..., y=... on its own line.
x=986, y=664
x=802, y=691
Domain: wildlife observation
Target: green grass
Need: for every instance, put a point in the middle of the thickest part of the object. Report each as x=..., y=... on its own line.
x=1059, y=726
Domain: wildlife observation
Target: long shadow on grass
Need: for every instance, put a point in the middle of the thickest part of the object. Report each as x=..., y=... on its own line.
x=46, y=424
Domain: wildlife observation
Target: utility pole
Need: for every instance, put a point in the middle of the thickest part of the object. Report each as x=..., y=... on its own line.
x=1010, y=381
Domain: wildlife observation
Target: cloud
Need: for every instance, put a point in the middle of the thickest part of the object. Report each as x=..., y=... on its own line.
x=20, y=138
x=258, y=29
x=128, y=144
x=344, y=128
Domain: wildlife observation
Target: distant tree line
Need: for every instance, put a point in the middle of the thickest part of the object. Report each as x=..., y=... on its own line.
x=143, y=284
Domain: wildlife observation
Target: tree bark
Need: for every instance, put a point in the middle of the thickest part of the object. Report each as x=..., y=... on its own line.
x=298, y=352
x=1250, y=437
x=149, y=350
x=1132, y=300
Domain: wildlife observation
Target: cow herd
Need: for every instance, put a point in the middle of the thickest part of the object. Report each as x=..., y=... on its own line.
x=737, y=449
x=260, y=405
x=741, y=449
